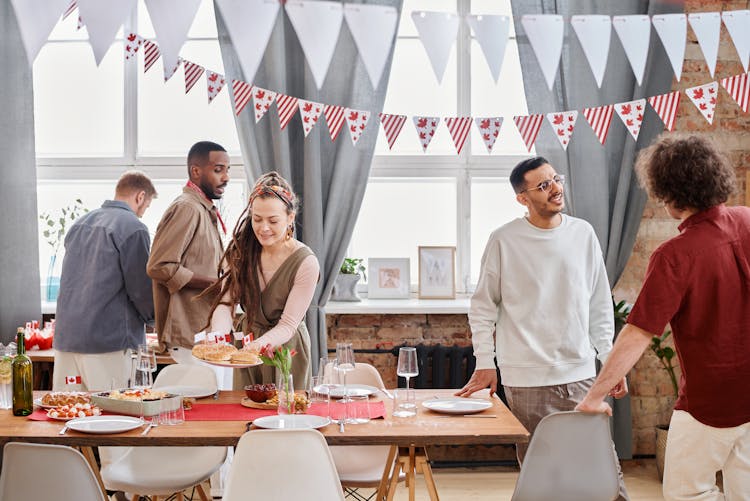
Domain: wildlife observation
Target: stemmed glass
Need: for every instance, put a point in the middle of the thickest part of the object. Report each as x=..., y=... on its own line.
x=327, y=379
x=407, y=368
x=344, y=363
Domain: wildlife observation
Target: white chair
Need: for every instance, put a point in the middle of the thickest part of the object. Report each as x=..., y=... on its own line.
x=281, y=465
x=163, y=471
x=570, y=458
x=41, y=471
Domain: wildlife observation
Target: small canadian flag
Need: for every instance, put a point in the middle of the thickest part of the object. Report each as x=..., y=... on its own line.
x=224, y=338
x=247, y=339
x=72, y=379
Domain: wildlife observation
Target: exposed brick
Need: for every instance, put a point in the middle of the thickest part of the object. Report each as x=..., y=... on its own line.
x=404, y=320
x=359, y=319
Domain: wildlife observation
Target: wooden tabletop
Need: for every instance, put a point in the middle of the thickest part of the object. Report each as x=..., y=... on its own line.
x=427, y=428
x=49, y=356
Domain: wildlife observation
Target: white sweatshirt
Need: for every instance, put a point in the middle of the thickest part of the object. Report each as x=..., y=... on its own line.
x=546, y=294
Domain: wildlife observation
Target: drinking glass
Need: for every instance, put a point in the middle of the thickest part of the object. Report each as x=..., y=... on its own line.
x=404, y=405
x=145, y=366
x=358, y=409
x=344, y=363
x=171, y=411
x=407, y=369
x=328, y=379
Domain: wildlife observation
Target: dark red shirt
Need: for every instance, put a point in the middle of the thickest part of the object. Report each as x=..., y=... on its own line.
x=699, y=283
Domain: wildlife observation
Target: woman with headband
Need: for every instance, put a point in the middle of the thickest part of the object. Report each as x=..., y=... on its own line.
x=272, y=276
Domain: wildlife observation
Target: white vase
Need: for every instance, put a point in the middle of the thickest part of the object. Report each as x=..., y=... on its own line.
x=345, y=288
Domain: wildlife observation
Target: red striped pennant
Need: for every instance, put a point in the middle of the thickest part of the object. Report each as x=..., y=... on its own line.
x=262, y=101
x=459, y=128
x=738, y=87
x=310, y=112
x=335, y=119
x=392, y=125
x=242, y=92
x=152, y=54
x=214, y=83
x=665, y=105
x=489, y=129
x=192, y=73
x=529, y=126
x=599, y=119
x=287, y=107
x=357, y=121
x=563, y=123
x=73, y=6
x=426, y=127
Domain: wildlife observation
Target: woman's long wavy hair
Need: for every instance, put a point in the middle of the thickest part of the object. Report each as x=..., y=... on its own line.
x=238, y=268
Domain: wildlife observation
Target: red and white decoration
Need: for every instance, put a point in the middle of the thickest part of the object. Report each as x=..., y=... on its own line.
x=335, y=119
x=563, y=124
x=72, y=379
x=310, y=112
x=489, y=129
x=242, y=92
x=357, y=121
x=287, y=107
x=599, y=119
x=392, y=125
x=704, y=98
x=528, y=126
x=214, y=83
x=459, y=128
x=665, y=106
x=262, y=101
x=631, y=114
x=171, y=20
x=192, y=73
x=739, y=88
x=72, y=7
x=151, y=54
x=133, y=42
x=426, y=127
x=103, y=20
x=168, y=72
x=247, y=339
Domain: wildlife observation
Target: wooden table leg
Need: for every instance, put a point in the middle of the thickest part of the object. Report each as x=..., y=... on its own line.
x=389, y=467
x=412, y=473
x=398, y=467
x=423, y=466
x=88, y=453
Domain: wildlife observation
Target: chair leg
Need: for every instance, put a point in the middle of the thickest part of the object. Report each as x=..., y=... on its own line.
x=202, y=493
x=179, y=496
x=136, y=497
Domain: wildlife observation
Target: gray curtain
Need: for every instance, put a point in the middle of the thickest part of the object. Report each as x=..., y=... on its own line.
x=20, y=299
x=330, y=178
x=602, y=186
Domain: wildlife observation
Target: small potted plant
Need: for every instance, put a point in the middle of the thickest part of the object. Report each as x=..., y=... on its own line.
x=665, y=354
x=345, y=286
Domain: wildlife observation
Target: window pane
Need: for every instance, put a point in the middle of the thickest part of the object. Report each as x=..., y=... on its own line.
x=204, y=24
x=169, y=121
x=493, y=204
x=78, y=108
x=398, y=215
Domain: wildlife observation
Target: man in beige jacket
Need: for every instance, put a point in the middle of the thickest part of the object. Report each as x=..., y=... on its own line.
x=188, y=247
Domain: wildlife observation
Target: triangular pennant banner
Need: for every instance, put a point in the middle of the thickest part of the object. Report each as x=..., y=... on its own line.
x=192, y=73
x=634, y=33
x=262, y=101
x=737, y=23
x=317, y=24
x=335, y=119
x=392, y=125
x=357, y=121
x=599, y=119
x=528, y=126
x=72, y=7
x=242, y=92
x=563, y=123
x=672, y=30
x=151, y=54
x=309, y=111
x=103, y=20
x=707, y=27
x=168, y=72
x=459, y=128
x=426, y=127
x=133, y=42
x=438, y=31
x=489, y=129
x=545, y=33
x=80, y=23
x=631, y=114
x=214, y=83
x=704, y=98
x=739, y=88
x=36, y=19
x=373, y=28
x=594, y=33
x=492, y=34
x=665, y=105
x=249, y=23
x=287, y=107
x=171, y=20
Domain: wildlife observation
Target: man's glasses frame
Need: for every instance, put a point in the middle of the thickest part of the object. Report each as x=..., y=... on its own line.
x=546, y=185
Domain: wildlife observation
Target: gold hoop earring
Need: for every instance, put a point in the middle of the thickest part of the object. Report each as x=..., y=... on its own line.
x=289, y=232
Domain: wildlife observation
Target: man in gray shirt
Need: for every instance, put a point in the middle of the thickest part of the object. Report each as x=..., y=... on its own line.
x=105, y=295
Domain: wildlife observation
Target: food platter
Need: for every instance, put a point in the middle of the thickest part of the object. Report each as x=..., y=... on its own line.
x=228, y=364
x=188, y=391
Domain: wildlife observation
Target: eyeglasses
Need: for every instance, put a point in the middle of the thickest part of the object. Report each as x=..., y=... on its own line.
x=546, y=185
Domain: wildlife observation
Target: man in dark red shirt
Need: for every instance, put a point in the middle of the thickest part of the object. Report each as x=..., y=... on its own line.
x=699, y=283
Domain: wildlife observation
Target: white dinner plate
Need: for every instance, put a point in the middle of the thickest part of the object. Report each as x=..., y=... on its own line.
x=228, y=364
x=105, y=424
x=353, y=390
x=291, y=421
x=457, y=405
x=188, y=391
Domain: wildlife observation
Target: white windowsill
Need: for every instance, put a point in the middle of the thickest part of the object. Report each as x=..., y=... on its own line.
x=413, y=305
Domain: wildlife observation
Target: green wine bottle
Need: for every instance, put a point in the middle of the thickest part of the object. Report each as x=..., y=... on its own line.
x=23, y=396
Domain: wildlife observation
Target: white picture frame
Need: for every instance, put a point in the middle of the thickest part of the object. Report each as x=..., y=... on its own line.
x=437, y=272
x=388, y=278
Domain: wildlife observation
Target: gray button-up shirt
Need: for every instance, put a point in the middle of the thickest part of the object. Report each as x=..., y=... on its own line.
x=105, y=295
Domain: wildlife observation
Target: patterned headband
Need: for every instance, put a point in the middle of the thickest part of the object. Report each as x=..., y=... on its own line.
x=282, y=194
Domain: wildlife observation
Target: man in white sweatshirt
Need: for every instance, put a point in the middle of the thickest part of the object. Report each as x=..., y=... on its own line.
x=544, y=294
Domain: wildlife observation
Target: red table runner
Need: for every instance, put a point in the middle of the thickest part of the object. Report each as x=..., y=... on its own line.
x=237, y=412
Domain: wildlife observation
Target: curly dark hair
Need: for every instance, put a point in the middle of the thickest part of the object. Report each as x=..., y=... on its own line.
x=688, y=172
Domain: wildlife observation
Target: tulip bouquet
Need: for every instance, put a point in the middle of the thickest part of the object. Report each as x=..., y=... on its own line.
x=281, y=358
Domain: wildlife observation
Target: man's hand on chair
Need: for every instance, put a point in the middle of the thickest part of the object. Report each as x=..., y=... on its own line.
x=481, y=379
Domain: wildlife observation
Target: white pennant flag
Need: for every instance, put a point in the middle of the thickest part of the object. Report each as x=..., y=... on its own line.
x=438, y=31
x=310, y=112
x=492, y=34
x=373, y=28
x=489, y=129
x=631, y=114
x=171, y=20
x=103, y=19
x=738, y=26
x=672, y=30
x=704, y=98
x=563, y=123
x=249, y=23
x=634, y=33
x=36, y=19
x=594, y=33
x=317, y=25
x=707, y=26
x=545, y=33
x=357, y=121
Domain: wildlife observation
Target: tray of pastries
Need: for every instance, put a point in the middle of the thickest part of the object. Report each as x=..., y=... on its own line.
x=60, y=398
x=226, y=355
x=135, y=401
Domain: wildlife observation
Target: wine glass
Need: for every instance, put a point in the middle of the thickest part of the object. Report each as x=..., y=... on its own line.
x=344, y=363
x=407, y=368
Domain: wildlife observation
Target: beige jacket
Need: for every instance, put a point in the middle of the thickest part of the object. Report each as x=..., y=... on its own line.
x=187, y=241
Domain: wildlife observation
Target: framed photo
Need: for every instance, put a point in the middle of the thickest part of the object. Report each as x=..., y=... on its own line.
x=437, y=272
x=388, y=278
